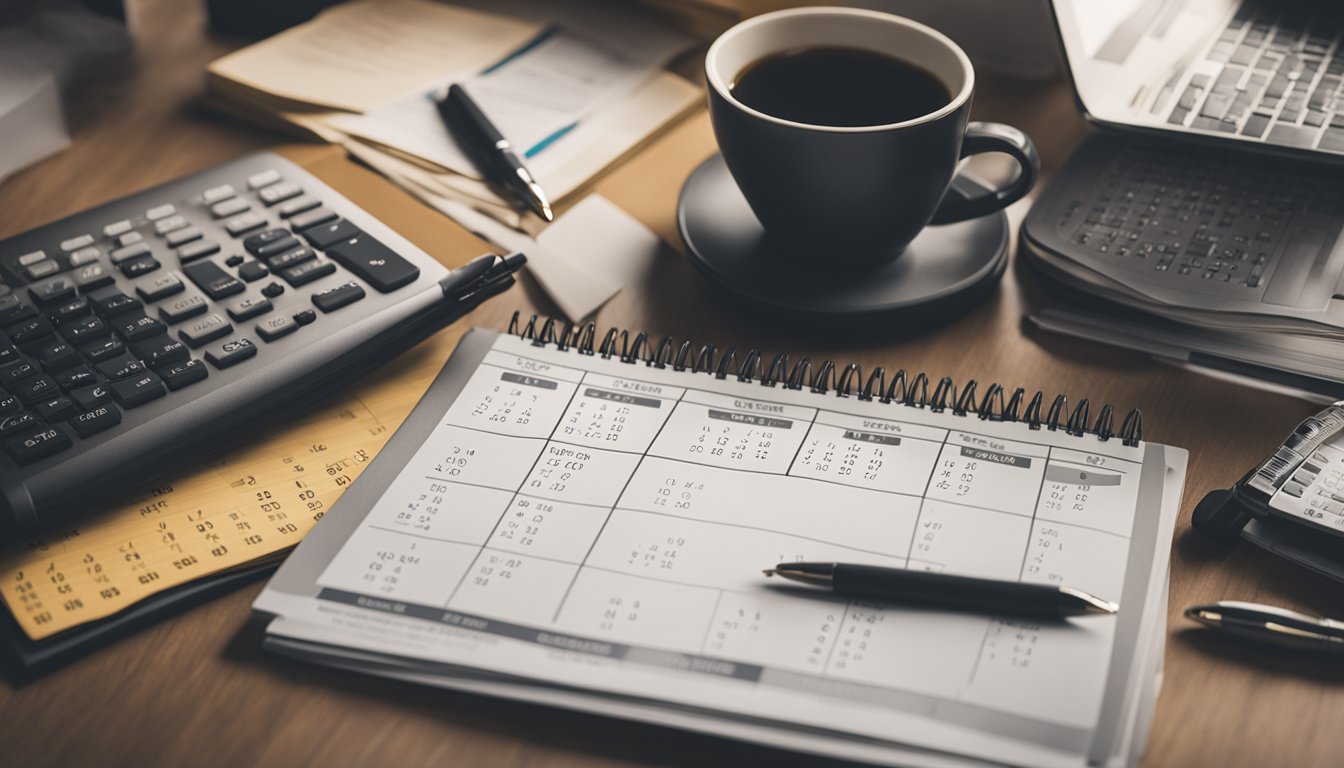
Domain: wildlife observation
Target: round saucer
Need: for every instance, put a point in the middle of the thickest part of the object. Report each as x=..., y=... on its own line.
x=945, y=270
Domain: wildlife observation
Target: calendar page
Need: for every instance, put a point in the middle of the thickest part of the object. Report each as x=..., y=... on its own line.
x=578, y=521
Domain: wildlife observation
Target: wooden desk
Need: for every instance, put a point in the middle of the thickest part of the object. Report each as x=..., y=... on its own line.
x=197, y=689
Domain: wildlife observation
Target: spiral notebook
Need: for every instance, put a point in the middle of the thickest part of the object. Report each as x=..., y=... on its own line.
x=583, y=523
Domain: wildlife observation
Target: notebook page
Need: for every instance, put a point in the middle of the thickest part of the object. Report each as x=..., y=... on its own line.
x=584, y=522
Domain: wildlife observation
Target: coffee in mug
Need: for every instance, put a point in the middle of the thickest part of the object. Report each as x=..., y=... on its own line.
x=844, y=127
x=834, y=85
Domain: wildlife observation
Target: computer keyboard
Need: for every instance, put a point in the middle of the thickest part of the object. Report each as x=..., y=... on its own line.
x=144, y=333
x=1274, y=73
x=1198, y=227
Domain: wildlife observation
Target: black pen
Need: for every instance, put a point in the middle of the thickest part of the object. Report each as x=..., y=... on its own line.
x=1271, y=625
x=491, y=152
x=941, y=590
x=483, y=273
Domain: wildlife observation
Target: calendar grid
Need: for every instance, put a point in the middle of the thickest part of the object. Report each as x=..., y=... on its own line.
x=637, y=507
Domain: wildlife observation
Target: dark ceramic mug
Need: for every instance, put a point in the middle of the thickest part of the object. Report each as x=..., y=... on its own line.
x=849, y=196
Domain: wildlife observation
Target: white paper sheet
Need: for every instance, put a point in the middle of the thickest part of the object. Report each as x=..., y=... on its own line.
x=538, y=97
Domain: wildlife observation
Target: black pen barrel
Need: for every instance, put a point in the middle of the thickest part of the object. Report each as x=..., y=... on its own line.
x=940, y=590
x=473, y=119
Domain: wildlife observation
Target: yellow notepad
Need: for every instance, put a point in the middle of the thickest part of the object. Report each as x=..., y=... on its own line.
x=250, y=505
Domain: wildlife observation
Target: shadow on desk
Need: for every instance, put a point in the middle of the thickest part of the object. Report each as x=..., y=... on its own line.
x=586, y=738
x=1268, y=661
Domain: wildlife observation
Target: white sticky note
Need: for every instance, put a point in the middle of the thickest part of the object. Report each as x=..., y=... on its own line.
x=590, y=253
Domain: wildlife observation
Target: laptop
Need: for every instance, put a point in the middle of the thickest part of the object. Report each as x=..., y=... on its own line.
x=1257, y=73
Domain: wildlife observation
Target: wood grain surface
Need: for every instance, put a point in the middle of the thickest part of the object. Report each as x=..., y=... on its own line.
x=197, y=689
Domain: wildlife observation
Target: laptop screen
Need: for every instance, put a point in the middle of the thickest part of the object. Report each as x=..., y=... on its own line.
x=1120, y=53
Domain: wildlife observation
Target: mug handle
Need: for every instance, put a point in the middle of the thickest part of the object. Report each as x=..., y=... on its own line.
x=992, y=137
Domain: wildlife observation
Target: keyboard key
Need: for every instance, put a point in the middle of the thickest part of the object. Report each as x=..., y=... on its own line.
x=58, y=355
x=30, y=331
x=205, y=330
x=272, y=290
x=307, y=272
x=117, y=228
x=91, y=422
x=37, y=388
x=75, y=243
x=215, y=194
x=305, y=316
x=17, y=421
x=9, y=355
x=102, y=349
x=76, y=378
x=9, y=404
x=41, y=269
x=292, y=257
x=29, y=259
x=233, y=261
x=120, y=367
x=132, y=251
x=70, y=310
x=333, y=299
x=13, y=309
x=91, y=277
x=114, y=303
x=159, y=352
x=199, y=249
x=276, y=327
x=1333, y=140
x=248, y=308
x=278, y=193
x=182, y=374
x=298, y=205
x=254, y=243
x=183, y=308
x=277, y=245
x=136, y=327
x=19, y=370
x=183, y=236
x=130, y=238
x=92, y=396
x=170, y=224
x=141, y=266
x=138, y=390
x=58, y=408
x=34, y=444
x=211, y=278
x=1292, y=135
x=159, y=287
x=83, y=256
x=263, y=179
x=312, y=218
x=230, y=207
x=240, y=225
x=333, y=232
x=57, y=290
x=160, y=212
x=230, y=353
x=253, y=271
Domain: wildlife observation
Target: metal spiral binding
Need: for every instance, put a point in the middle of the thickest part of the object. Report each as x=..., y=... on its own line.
x=899, y=387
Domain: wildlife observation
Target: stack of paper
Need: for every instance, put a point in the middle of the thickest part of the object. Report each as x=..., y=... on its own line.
x=1279, y=353
x=577, y=86
x=31, y=119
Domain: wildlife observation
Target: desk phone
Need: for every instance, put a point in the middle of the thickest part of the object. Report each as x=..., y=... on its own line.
x=1292, y=502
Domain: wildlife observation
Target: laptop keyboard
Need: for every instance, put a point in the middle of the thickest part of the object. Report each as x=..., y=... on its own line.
x=1279, y=75
x=1173, y=214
